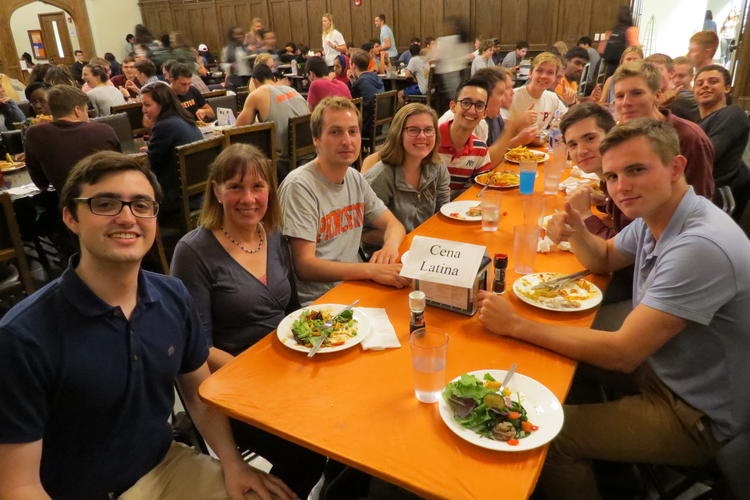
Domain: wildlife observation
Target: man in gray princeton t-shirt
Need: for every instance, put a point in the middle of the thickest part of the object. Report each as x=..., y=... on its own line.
x=686, y=339
x=326, y=204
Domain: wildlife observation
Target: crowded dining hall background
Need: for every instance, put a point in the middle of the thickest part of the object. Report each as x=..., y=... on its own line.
x=374, y=250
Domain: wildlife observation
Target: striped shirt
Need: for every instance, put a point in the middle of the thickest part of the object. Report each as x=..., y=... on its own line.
x=463, y=165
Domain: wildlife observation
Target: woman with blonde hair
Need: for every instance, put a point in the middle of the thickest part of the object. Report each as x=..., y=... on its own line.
x=409, y=178
x=333, y=41
x=236, y=268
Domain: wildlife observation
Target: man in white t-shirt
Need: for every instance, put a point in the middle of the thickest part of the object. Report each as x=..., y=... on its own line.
x=534, y=96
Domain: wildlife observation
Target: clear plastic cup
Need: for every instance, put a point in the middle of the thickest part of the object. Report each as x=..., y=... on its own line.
x=429, y=351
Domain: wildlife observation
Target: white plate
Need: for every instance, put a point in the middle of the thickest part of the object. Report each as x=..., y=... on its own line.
x=541, y=157
x=494, y=186
x=525, y=283
x=457, y=210
x=285, y=335
x=542, y=408
x=16, y=166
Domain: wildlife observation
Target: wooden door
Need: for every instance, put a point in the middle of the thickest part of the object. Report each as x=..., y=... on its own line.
x=56, y=38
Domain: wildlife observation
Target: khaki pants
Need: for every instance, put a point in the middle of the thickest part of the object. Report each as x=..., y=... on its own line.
x=653, y=426
x=183, y=474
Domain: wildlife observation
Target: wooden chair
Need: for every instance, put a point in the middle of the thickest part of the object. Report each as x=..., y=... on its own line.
x=193, y=162
x=224, y=101
x=260, y=135
x=360, y=103
x=11, y=249
x=134, y=111
x=121, y=125
x=13, y=141
x=431, y=89
x=214, y=93
x=300, y=140
x=385, y=109
x=241, y=98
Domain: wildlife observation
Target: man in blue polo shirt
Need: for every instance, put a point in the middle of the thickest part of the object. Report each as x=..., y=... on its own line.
x=88, y=363
x=686, y=339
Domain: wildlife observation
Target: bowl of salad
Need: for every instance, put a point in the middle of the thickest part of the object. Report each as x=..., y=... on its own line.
x=520, y=417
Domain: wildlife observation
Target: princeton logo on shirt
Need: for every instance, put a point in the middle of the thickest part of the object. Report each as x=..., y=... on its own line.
x=339, y=221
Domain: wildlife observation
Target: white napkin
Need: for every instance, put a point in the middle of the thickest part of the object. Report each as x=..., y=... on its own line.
x=22, y=190
x=545, y=245
x=382, y=334
x=577, y=178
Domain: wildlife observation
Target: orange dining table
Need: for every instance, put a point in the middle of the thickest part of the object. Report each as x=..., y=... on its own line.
x=358, y=406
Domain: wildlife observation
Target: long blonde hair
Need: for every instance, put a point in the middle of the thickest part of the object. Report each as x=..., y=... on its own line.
x=330, y=18
x=7, y=85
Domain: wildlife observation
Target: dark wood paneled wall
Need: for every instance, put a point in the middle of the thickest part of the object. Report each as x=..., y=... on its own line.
x=540, y=22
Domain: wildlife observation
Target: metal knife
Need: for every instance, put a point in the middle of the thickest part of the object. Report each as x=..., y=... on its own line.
x=328, y=324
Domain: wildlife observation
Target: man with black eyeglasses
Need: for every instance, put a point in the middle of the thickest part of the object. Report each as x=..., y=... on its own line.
x=88, y=363
x=465, y=155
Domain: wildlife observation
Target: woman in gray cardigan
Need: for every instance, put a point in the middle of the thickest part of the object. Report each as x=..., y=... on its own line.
x=409, y=177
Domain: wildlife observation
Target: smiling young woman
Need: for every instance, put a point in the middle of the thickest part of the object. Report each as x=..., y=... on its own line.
x=410, y=178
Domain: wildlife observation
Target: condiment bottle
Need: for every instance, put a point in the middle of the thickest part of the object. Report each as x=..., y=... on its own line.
x=500, y=263
x=417, y=302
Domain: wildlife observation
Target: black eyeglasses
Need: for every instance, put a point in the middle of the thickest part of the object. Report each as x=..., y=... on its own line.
x=107, y=205
x=466, y=105
x=414, y=131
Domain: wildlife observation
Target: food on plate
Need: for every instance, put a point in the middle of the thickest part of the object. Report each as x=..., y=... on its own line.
x=7, y=165
x=488, y=409
x=308, y=327
x=523, y=153
x=568, y=297
x=39, y=119
x=505, y=178
x=475, y=211
x=200, y=123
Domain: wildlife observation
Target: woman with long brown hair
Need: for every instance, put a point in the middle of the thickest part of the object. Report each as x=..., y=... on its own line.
x=409, y=177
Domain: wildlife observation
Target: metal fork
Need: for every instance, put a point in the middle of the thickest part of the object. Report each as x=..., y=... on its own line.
x=561, y=281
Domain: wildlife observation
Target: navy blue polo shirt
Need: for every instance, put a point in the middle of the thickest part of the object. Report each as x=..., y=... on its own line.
x=95, y=386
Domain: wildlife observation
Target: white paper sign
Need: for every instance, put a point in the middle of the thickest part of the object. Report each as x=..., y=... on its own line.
x=225, y=116
x=443, y=261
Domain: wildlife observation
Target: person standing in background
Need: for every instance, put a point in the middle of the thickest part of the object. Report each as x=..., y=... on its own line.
x=235, y=59
x=728, y=35
x=708, y=22
x=76, y=69
x=387, y=40
x=333, y=41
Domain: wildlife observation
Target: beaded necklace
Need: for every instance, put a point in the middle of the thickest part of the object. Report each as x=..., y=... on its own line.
x=240, y=246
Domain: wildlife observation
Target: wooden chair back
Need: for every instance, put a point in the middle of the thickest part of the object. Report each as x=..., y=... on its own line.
x=224, y=101
x=13, y=141
x=11, y=245
x=120, y=123
x=260, y=135
x=214, y=93
x=385, y=109
x=360, y=103
x=193, y=162
x=241, y=98
x=134, y=110
x=431, y=90
x=300, y=140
